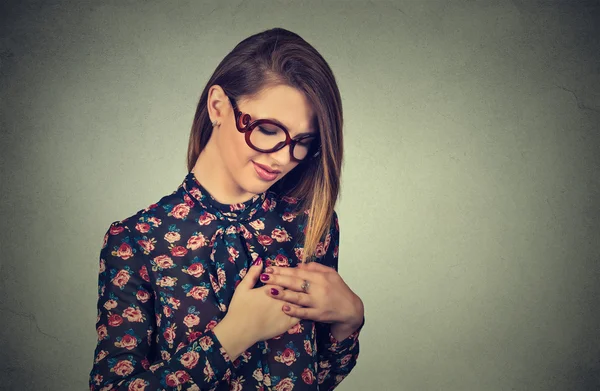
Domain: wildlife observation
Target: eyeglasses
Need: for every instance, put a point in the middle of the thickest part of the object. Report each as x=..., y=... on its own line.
x=264, y=135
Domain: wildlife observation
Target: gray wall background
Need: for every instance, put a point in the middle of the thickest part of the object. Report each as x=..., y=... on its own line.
x=469, y=212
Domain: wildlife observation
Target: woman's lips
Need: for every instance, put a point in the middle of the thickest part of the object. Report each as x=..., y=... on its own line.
x=264, y=173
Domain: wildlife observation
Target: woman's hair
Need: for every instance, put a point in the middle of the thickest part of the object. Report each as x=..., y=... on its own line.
x=281, y=57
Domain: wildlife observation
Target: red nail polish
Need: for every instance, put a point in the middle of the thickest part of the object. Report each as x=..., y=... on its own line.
x=264, y=277
x=256, y=262
x=274, y=291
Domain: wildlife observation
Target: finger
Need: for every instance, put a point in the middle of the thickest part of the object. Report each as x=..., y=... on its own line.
x=289, y=296
x=291, y=272
x=249, y=280
x=301, y=313
x=294, y=318
x=287, y=282
x=273, y=290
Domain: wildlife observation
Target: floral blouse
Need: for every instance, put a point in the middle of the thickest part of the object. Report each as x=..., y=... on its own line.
x=167, y=275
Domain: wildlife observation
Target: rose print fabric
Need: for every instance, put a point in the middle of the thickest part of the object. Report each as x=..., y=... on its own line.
x=167, y=275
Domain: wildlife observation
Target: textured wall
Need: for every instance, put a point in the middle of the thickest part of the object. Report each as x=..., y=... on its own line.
x=469, y=212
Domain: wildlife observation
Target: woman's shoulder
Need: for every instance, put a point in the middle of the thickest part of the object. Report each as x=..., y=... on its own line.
x=151, y=215
x=132, y=234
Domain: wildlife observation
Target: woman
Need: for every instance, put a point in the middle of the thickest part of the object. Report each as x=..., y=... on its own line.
x=211, y=288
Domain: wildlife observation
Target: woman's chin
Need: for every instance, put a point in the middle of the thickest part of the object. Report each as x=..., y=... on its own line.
x=257, y=186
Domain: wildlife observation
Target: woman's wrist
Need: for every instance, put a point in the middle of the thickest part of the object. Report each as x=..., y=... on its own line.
x=231, y=339
x=358, y=313
x=342, y=330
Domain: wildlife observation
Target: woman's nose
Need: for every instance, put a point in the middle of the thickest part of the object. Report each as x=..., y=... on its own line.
x=283, y=156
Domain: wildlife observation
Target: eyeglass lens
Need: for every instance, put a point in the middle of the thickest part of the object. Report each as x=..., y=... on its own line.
x=271, y=137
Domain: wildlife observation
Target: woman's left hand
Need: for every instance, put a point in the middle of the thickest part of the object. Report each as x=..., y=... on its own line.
x=327, y=298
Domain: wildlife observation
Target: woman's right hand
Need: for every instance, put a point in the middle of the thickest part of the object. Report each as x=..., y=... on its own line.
x=253, y=315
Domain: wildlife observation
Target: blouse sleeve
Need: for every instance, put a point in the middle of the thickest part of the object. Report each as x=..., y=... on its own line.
x=335, y=358
x=126, y=328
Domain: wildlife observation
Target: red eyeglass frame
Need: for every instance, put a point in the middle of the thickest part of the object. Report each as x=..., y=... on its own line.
x=249, y=125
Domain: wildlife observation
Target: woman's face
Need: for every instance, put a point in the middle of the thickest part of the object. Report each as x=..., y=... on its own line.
x=285, y=104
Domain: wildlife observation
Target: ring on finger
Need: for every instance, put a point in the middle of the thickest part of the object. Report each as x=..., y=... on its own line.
x=305, y=285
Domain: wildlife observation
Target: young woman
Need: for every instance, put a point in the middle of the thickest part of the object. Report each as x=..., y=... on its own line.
x=230, y=282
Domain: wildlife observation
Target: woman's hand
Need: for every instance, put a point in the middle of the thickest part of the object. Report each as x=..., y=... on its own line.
x=327, y=298
x=252, y=315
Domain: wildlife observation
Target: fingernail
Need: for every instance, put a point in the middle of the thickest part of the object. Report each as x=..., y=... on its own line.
x=286, y=307
x=274, y=291
x=264, y=277
x=256, y=262
x=269, y=270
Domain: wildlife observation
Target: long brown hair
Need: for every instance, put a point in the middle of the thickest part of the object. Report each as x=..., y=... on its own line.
x=273, y=57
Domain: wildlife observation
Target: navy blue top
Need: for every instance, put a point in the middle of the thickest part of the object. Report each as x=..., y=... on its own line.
x=167, y=275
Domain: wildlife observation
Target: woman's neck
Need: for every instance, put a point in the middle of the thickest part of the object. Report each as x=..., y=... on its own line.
x=210, y=171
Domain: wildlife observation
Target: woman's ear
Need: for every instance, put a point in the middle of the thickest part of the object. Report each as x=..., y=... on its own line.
x=217, y=104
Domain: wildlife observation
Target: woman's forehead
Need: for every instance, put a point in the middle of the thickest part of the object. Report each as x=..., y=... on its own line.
x=283, y=104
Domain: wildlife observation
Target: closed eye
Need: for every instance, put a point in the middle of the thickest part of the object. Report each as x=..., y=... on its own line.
x=265, y=131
